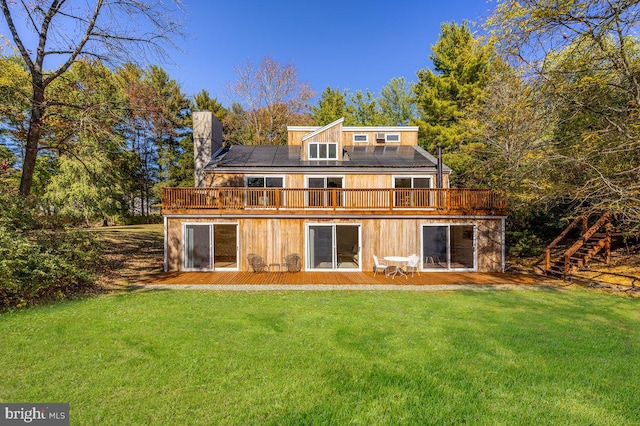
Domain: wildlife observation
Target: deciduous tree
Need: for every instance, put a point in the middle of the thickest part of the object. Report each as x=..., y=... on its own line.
x=65, y=31
x=272, y=97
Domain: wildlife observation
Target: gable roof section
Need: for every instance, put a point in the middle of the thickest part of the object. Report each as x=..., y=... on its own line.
x=322, y=129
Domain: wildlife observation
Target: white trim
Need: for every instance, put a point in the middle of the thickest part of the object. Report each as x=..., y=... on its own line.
x=430, y=177
x=357, y=128
x=380, y=129
x=265, y=175
x=386, y=138
x=366, y=138
x=307, y=260
x=448, y=226
x=165, y=265
x=183, y=257
x=504, y=244
x=322, y=129
x=310, y=158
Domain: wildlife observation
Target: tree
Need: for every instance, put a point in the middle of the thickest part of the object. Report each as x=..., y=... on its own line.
x=448, y=96
x=585, y=58
x=397, y=106
x=14, y=101
x=272, y=98
x=363, y=110
x=332, y=105
x=69, y=30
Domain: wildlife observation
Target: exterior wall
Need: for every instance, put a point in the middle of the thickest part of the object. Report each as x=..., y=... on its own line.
x=407, y=137
x=358, y=181
x=332, y=134
x=294, y=138
x=275, y=238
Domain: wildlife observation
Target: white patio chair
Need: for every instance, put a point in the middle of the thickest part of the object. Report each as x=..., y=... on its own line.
x=379, y=266
x=412, y=264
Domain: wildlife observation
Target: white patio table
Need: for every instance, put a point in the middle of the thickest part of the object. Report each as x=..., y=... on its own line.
x=398, y=260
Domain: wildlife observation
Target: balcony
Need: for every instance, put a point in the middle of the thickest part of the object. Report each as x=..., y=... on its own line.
x=235, y=200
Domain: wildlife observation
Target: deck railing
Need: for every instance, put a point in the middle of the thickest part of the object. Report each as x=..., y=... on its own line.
x=387, y=199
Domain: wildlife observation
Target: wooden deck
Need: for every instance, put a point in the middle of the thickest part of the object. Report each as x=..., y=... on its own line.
x=348, y=278
x=322, y=201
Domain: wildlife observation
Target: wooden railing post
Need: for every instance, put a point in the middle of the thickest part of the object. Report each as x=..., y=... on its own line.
x=334, y=198
x=547, y=259
x=391, y=195
x=219, y=196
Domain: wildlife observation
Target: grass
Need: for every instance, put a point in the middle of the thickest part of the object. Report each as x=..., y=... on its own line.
x=290, y=358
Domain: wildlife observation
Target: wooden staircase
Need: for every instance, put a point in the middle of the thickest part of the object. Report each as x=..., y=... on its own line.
x=593, y=240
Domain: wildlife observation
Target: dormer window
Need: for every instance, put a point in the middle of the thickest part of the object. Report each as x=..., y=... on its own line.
x=323, y=150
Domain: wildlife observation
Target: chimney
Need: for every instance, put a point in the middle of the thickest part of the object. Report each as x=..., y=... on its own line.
x=439, y=166
x=207, y=140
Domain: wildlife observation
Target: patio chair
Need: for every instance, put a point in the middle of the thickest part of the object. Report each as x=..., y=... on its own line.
x=293, y=262
x=256, y=262
x=412, y=264
x=379, y=266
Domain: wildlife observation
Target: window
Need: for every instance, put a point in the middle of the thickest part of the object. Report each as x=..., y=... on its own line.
x=406, y=194
x=392, y=137
x=323, y=151
x=359, y=138
x=319, y=194
x=266, y=197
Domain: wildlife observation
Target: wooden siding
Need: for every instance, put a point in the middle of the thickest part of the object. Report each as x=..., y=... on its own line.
x=294, y=138
x=407, y=137
x=275, y=238
x=332, y=134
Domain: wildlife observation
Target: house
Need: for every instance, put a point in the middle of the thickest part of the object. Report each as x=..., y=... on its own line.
x=335, y=195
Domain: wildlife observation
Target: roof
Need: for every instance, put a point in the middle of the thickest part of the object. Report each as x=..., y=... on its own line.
x=282, y=157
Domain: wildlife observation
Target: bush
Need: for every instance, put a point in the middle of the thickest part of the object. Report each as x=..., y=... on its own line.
x=524, y=243
x=40, y=261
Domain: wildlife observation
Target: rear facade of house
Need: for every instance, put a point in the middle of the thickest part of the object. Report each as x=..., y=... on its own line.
x=334, y=195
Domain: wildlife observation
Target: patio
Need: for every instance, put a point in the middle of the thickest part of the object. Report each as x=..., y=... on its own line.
x=345, y=278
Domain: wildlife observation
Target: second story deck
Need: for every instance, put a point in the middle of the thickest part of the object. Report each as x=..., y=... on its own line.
x=305, y=201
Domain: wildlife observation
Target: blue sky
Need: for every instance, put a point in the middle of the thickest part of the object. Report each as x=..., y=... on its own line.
x=342, y=44
x=355, y=45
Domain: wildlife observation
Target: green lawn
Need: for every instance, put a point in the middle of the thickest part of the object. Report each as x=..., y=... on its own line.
x=196, y=357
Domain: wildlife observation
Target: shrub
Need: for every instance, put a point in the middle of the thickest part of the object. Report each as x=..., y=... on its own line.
x=40, y=261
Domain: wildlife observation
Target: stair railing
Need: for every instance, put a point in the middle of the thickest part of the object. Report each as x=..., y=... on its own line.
x=559, y=238
x=604, y=220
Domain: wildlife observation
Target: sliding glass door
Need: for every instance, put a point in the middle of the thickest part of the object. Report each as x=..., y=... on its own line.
x=197, y=248
x=208, y=247
x=448, y=247
x=333, y=247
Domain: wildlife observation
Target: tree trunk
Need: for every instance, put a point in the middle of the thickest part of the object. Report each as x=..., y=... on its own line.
x=33, y=139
